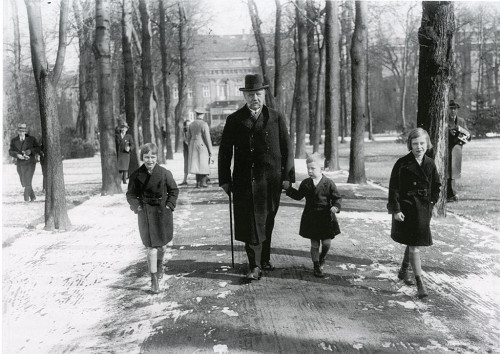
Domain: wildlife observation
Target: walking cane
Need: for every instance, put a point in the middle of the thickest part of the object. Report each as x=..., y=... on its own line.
x=231, y=226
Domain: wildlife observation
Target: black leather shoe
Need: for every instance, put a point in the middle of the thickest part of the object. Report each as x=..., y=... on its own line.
x=255, y=274
x=268, y=266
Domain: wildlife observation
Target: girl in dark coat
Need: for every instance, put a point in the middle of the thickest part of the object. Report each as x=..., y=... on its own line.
x=413, y=190
x=124, y=144
x=152, y=195
x=318, y=222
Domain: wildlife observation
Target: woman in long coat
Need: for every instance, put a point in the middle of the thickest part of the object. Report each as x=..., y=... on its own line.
x=413, y=190
x=200, y=149
x=152, y=194
x=124, y=144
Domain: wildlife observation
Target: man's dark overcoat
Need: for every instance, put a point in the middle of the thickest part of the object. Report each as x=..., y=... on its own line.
x=263, y=159
x=455, y=146
x=156, y=194
x=413, y=190
x=25, y=168
x=317, y=222
x=122, y=154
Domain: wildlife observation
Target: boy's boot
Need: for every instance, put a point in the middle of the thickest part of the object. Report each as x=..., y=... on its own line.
x=322, y=257
x=159, y=267
x=155, y=287
x=203, y=181
x=421, y=291
x=317, y=271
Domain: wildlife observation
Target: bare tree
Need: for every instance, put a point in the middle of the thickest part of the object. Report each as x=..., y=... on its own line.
x=181, y=77
x=18, y=111
x=332, y=87
x=129, y=81
x=320, y=98
x=358, y=62
x=311, y=20
x=278, y=90
x=110, y=177
x=164, y=71
x=261, y=47
x=434, y=76
x=345, y=66
x=87, y=92
x=56, y=215
x=302, y=91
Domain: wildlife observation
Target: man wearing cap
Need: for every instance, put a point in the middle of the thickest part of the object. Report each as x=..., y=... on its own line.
x=458, y=135
x=23, y=148
x=124, y=144
x=200, y=148
x=263, y=165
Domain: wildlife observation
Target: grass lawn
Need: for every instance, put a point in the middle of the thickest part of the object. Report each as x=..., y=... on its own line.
x=478, y=189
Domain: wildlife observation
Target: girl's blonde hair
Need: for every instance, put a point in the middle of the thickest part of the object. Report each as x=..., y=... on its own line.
x=417, y=133
x=149, y=147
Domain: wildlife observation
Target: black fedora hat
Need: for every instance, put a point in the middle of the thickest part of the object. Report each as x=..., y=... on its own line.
x=453, y=104
x=253, y=83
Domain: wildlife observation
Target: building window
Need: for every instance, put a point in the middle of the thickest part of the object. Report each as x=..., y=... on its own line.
x=237, y=91
x=190, y=92
x=175, y=92
x=206, y=91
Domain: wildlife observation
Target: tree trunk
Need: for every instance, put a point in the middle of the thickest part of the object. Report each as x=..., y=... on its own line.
x=164, y=80
x=367, y=86
x=181, y=79
x=147, y=120
x=110, y=177
x=311, y=65
x=56, y=214
x=302, y=92
x=332, y=87
x=87, y=110
x=434, y=76
x=358, y=62
x=18, y=111
x=129, y=82
x=320, y=99
x=261, y=47
x=278, y=90
x=347, y=15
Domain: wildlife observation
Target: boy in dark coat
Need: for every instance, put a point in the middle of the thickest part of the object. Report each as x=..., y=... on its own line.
x=318, y=222
x=152, y=195
x=414, y=188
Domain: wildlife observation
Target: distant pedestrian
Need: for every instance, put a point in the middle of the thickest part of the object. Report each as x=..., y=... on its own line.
x=152, y=194
x=413, y=190
x=185, y=151
x=200, y=148
x=43, y=164
x=318, y=222
x=262, y=166
x=458, y=135
x=23, y=148
x=124, y=144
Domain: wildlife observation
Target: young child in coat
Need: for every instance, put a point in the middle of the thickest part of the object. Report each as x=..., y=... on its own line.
x=152, y=195
x=414, y=188
x=318, y=222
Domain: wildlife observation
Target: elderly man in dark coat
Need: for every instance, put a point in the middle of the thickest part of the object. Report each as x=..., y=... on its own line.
x=263, y=165
x=23, y=148
x=458, y=135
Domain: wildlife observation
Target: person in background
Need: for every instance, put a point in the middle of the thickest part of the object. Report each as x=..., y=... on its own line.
x=318, y=222
x=185, y=151
x=152, y=194
x=414, y=188
x=458, y=135
x=200, y=149
x=23, y=148
x=263, y=165
x=124, y=144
